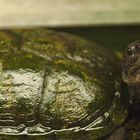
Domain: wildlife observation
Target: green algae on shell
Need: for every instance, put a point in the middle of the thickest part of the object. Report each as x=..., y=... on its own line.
x=57, y=85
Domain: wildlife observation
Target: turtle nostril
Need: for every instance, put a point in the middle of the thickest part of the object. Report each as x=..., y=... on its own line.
x=131, y=50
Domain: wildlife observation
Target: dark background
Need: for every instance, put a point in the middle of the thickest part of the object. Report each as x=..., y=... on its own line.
x=115, y=38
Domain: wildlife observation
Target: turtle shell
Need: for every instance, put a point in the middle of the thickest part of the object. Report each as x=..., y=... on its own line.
x=57, y=85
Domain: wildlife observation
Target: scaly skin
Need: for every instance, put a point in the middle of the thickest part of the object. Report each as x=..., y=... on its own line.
x=131, y=76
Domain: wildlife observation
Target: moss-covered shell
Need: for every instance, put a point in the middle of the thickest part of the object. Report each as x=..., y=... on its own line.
x=56, y=85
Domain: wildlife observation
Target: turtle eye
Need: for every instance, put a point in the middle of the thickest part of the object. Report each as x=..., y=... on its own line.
x=131, y=50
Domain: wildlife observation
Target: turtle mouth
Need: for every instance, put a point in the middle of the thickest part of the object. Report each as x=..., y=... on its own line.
x=131, y=65
x=132, y=69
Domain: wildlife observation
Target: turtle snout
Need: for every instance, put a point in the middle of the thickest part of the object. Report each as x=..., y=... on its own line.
x=131, y=63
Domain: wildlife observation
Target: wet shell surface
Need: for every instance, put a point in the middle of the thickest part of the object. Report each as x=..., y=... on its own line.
x=54, y=83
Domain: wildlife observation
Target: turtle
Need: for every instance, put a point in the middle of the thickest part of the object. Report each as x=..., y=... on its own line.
x=58, y=86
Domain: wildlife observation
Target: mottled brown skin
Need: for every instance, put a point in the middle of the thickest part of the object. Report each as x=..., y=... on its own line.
x=131, y=73
x=131, y=76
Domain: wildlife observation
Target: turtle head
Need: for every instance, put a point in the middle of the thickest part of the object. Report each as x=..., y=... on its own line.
x=131, y=64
